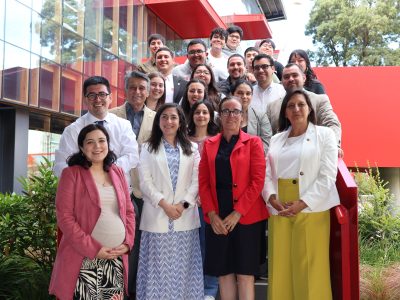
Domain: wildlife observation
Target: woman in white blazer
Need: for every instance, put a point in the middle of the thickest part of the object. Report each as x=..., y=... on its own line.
x=299, y=191
x=170, y=265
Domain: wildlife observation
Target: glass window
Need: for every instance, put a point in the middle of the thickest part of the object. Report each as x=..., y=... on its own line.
x=16, y=74
x=34, y=80
x=18, y=29
x=123, y=31
x=2, y=10
x=51, y=40
x=161, y=27
x=73, y=14
x=110, y=28
x=36, y=25
x=72, y=50
x=49, y=9
x=93, y=20
x=123, y=68
x=109, y=67
x=91, y=59
x=49, y=85
x=1, y=64
x=71, y=92
x=170, y=37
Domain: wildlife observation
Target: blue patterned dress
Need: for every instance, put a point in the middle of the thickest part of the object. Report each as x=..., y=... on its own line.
x=170, y=266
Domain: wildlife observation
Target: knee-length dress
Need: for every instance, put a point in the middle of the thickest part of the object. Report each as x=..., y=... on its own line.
x=170, y=264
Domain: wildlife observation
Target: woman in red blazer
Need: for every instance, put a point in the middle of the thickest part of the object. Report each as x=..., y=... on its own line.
x=95, y=214
x=231, y=178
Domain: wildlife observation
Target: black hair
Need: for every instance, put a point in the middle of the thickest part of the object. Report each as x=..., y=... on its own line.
x=221, y=31
x=80, y=159
x=284, y=122
x=236, y=55
x=137, y=74
x=181, y=135
x=239, y=82
x=164, y=49
x=212, y=127
x=234, y=28
x=310, y=75
x=251, y=49
x=96, y=80
x=269, y=41
x=185, y=100
x=195, y=42
x=160, y=101
x=212, y=89
x=261, y=56
x=155, y=36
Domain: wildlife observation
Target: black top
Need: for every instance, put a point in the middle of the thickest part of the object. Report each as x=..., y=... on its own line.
x=278, y=69
x=315, y=86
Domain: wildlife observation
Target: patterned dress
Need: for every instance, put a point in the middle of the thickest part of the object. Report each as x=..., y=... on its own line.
x=170, y=265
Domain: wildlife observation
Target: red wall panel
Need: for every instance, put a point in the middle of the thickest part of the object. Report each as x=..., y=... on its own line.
x=367, y=101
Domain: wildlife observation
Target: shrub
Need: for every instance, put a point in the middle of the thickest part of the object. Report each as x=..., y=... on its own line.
x=379, y=221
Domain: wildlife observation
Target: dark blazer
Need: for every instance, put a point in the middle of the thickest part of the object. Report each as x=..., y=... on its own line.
x=248, y=171
x=179, y=88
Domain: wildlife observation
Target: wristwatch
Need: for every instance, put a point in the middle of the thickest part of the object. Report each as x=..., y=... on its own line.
x=185, y=204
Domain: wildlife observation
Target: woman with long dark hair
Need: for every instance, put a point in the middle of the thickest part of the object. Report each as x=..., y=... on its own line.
x=170, y=264
x=205, y=73
x=96, y=217
x=196, y=90
x=312, y=84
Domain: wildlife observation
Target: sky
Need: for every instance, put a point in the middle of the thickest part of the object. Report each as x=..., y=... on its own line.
x=289, y=34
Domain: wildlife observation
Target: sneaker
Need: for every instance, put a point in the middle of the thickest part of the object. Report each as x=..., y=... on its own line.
x=209, y=298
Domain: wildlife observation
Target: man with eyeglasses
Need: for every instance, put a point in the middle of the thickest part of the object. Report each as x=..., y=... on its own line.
x=196, y=54
x=267, y=46
x=97, y=97
x=235, y=35
x=265, y=91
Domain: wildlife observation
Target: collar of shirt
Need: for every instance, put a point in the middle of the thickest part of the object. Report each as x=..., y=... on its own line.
x=129, y=110
x=91, y=119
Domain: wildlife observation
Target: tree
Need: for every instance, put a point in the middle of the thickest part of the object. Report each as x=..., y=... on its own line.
x=356, y=32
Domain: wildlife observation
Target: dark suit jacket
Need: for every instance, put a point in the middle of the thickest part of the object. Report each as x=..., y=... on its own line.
x=248, y=174
x=179, y=88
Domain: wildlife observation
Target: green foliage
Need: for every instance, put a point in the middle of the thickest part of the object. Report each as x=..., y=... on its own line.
x=379, y=220
x=28, y=222
x=22, y=278
x=356, y=32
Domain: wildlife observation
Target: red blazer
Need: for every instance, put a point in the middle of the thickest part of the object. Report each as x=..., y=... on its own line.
x=248, y=174
x=78, y=209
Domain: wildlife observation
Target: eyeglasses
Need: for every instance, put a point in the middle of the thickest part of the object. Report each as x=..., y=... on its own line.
x=194, y=52
x=263, y=67
x=93, y=96
x=227, y=112
x=199, y=72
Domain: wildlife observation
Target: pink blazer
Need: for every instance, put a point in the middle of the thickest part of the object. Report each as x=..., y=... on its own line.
x=248, y=173
x=78, y=209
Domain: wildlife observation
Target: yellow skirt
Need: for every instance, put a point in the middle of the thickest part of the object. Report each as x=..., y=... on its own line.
x=298, y=257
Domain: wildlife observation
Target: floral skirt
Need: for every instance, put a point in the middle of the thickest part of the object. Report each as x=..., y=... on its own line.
x=100, y=279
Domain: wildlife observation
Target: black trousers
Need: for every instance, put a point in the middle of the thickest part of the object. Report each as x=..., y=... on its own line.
x=134, y=255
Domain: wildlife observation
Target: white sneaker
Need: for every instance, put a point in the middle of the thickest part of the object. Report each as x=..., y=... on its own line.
x=209, y=298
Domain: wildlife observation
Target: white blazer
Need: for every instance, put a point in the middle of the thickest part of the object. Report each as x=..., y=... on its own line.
x=155, y=184
x=318, y=169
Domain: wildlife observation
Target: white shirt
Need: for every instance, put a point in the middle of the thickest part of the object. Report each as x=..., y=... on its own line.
x=220, y=63
x=122, y=142
x=169, y=89
x=261, y=98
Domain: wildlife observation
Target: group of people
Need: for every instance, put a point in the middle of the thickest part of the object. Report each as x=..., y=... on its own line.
x=167, y=195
